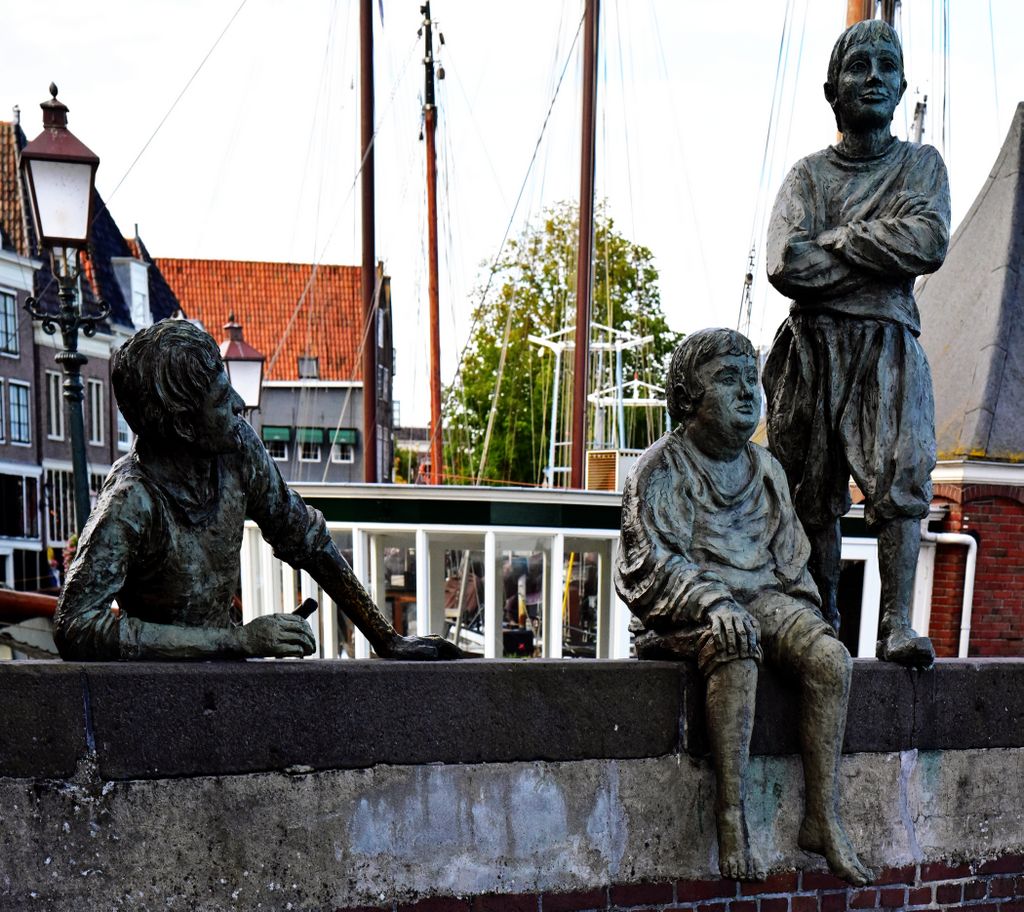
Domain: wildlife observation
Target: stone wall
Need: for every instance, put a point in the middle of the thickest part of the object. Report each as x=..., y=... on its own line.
x=541, y=785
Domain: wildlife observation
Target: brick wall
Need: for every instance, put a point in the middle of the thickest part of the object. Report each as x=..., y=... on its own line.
x=992, y=886
x=994, y=514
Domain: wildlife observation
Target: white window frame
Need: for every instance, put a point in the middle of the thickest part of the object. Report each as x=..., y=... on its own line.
x=54, y=406
x=60, y=507
x=303, y=458
x=124, y=433
x=97, y=412
x=12, y=385
x=9, y=324
x=283, y=443
x=336, y=453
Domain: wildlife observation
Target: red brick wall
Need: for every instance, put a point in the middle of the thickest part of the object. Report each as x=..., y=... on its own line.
x=994, y=514
x=992, y=886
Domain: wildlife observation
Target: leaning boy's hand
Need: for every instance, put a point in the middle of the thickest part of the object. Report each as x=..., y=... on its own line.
x=734, y=629
x=277, y=635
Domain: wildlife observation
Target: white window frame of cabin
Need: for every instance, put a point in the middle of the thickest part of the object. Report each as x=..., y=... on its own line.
x=13, y=385
x=284, y=450
x=10, y=343
x=54, y=406
x=338, y=450
x=97, y=412
x=302, y=452
x=124, y=433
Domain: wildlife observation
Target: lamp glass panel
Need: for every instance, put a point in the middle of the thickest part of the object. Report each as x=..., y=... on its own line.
x=245, y=377
x=62, y=198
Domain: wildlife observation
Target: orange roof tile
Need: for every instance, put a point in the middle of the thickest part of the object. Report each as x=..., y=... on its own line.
x=12, y=212
x=287, y=310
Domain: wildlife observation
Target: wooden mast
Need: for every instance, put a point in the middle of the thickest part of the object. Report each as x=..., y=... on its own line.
x=859, y=9
x=369, y=271
x=856, y=10
x=585, y=251
x=429, y=129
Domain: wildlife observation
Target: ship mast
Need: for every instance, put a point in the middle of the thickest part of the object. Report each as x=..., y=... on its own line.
x=585, y=250
x=429, y=129
x=369, y=270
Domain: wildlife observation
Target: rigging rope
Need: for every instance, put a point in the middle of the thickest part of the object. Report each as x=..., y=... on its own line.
x=174, y=104
x=770, y=133
x=494, y=264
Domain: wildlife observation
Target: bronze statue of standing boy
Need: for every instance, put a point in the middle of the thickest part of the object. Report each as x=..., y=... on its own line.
x=165, y=537
x=848, y=385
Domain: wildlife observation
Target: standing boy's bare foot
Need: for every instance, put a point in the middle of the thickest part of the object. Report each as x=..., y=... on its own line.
x=826, y=836
x=736, y=859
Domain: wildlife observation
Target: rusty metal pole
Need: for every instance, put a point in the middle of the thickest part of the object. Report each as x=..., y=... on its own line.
x=369, y=264
x=429, y=129
x=856, y=10
x=585, y=253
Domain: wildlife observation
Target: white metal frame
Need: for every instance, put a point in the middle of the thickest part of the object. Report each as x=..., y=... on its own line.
x=266, y=582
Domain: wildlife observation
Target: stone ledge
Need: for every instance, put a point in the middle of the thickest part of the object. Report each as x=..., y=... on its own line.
x=165, y=720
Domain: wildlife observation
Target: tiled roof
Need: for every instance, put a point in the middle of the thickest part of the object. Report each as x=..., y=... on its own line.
x=287, y=310
x=12, y=214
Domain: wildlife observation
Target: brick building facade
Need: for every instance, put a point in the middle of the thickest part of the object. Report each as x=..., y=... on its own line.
x=973, y=316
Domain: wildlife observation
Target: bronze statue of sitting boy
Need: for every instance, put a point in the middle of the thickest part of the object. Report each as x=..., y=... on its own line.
x=713, y=563
x=164, y=539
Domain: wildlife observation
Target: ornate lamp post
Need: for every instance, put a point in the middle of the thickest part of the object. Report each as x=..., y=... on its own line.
x=244, y=364
x=60, y=171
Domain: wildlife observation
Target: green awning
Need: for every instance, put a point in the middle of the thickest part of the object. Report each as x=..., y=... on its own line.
x=270, y=433
x=309, y=435
x=343, y=435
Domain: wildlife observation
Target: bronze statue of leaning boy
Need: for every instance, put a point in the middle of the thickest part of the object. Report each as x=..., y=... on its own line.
x=165, y=536
x=713, y=563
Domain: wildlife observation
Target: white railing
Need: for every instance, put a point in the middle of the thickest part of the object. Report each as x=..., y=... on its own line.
x=268, y=583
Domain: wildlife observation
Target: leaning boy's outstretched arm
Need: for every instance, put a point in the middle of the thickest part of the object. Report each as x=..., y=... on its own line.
x=299, y=536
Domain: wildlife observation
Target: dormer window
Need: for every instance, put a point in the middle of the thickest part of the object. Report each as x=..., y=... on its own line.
x=309, y=367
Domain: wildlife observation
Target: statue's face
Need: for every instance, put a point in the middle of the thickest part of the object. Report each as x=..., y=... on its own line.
x=870, y=85
x=731, y=405
x=216, y=423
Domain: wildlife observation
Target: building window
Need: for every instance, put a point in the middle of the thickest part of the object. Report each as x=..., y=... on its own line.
x=309, y=367
x=54, y=406
x=309, y=452
x=19, y=506
x=3, y=421
x=8, y=324
x=97, y=414
x=343, y=452
x=278, y=449
x=21, y=431
x=124, y=433
x=60, y=509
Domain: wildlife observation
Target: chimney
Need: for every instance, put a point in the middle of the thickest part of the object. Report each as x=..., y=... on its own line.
x=17, y=115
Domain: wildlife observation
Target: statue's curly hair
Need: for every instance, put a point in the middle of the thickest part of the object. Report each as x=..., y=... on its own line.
x=865, y=32
x=162, y=373
x=684, y=387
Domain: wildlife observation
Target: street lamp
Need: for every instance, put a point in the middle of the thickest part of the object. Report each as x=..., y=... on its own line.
x=244, y=364
x=60, y=171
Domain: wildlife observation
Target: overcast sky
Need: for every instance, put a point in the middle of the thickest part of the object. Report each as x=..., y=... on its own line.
x=258, y=158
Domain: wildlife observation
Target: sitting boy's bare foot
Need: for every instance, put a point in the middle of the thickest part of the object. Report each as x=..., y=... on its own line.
x=827, y=837
x=736, y=859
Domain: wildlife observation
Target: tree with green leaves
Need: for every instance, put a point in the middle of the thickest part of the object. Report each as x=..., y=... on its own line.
x=532, y=291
